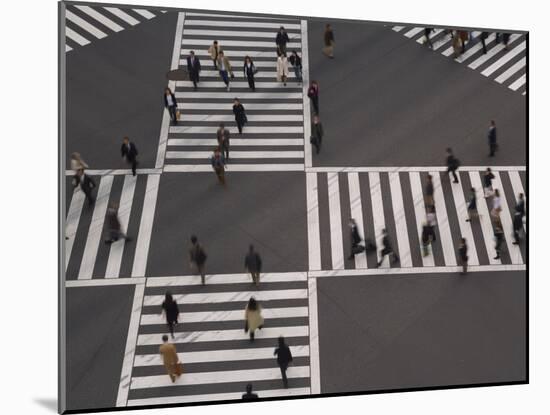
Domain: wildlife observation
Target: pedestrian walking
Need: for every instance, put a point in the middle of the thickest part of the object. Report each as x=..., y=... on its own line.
x=218, y=164
x=253, y=264
x=296, y=62
x=77, y=163
x=328, y=38
x=427, y=41
x=472, y=206
x=520, y=205
x=197, y=258
x=457, y=44
x=86, y=184
x=499, y=237
x=253, y=317
x=114, y=228
x=452, y=164
x=429, y=190
x=505, y=40
x=426, y=238
x=488, y=177
x=249, y=396
x=464, y=35
x=386, y=249
x=223, y=136
x=492, y=136
x=517, y=223
x=284, y=358
x=463, y=255
x=240, y=116
x=249, y=72
x=214, y=51
x=282, y=69
x=313, y=94
x=171, y=312
x=170, y=359
x=483, y=37
x=129, y=153
x=316, y=133
x=356, y=247
x=281, y=40
x=497, y=208
x=225, y=69
x=171, y=105
x=193, y=68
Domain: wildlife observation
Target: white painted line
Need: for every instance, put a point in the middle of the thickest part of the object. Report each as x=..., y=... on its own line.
x=200, y=168
x=242, y=16
x=313, y=235
x=450, y=50
x=336, y=242
x=236, y=59
x=356, y=212
x=117, y=172
x=226, y=279
x=96, y=229
x=130, y=350
x=125, y=207
x=242, y=95
x=490, y=53
x=377, y=213
x=71, y=34
x=100, y=282
x=146, y=226
x=122, y=15
x=145, y=13
x=219, y=35
x=100, y=18
x=251, y=117
x=400, y=221
x=485, y=219
x=443, y=41
x=249, y=130
x=511, y=70
x=192, y=43
x=250, y=106
x=211, y=397
x=517, y=187
x=407, y=169
x=398, y=28
x=419, y=212
x=518, y=83
x=433, y=34
x=505, y=59
x=84, y=24
x=223, y=335
x=475, y=48
x=228, y=23
x=73, y=218
x=413, y=31
x=270, y=74
x=314, y=360
x=465, y=227
x=68, y=48
x=443, y=221
x=252, y=142
x=236, y=154
x=278, y=86
x=506, y=220
x=226, y=355
x=308, y=150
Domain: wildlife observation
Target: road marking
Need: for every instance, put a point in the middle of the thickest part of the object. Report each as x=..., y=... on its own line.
x=490, y=53
x=237, y=142
x=220, y=34
x=249, y=130
x=122, y=15
x=422, y=39
x=100, y=282
x=68, y=48
x=443, y=221
x=450, y=50
x=506, y=58
x=475, y=48
x=240, y=84
x=100, y=18
x=250, y=106
x=443, y=41
x=190, y=43
x=356, y=212
x=413, y=31
x=84, y=25
x=117, y=248
x=145, y=13
x=241, y=16
x=201, y=168
x=305, y=99
x=314, y=359
x=236, y=154
x=125, y=172
x=420, y=213
x=228, y=23
x=226, y=279
x=313, y=235
x=407, y=169
x=517, y=188
x=251, y=117
x=518, y=83
x=400, y=221
x=242, y=95
x=336, y=242
x=398, y=28
x=465, y=227
x=96, y=229
x=130, y=350
x=146, y=226
x=377, y=212
x=511, y=70
x=270, y=73
x=71, y=34
x=73, y=218
x=231, y=54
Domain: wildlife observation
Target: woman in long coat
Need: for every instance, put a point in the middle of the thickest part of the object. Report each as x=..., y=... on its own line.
x=240, y=115
x=282, y=69
x=171, y=312
x=249, y=72
x=328, y=38
x=253, y=317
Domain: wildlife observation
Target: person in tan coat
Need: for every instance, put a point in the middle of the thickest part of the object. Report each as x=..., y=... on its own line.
x=170, y=358
x=224, y=66
x=253, y=317
x=282, y=68
x=214, y=51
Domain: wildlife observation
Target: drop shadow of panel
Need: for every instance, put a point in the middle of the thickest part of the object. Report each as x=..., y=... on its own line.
x=48, y=403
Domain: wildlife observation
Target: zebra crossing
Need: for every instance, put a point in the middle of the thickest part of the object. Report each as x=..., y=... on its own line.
x=217, y=355
x=507, y=67
x=395, y=200
x=273, y=138
x=86, y=254
x=86, y=24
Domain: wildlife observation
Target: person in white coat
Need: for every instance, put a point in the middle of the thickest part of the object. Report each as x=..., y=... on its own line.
x=282, y=69
x=253, y=317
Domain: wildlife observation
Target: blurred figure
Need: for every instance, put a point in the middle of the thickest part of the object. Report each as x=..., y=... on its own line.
x=488, y=177
x=86, y=184
x=253, y=264
x=428, y=232
x=427, y=41
x=328, y=38
x=452, y=164
x=197, y=257
x=316, y=133
x=77, y=163
x=171, y=312
x=495, y=211
x=281, y=40
x=194, y=68
x=218, y=164
x=463, y=255
x=313, y=94
x=296, y=62
x=520, y=205
x=170, y=358
x=249, y=396
x=214, y=51
x=249, y=72
x=240, y=116
x=386, y=249
x=429, y=191
x=129, y=153
x=356, y=247
x=171, y=104
x=113, y=224
x=225, y=69
x=517, y=223
x=472, y=206
x=492, y=137
x=505, y=39
x=457, y=44
x=282, y=69
x=284, y=358
x=223, y=136
x=253, y=317
x=499, y=237
x=464, y=36
x=483, y=37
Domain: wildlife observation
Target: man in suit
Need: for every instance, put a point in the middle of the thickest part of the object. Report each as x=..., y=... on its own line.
x=483, y=37
x=284, y=357
x=281, y=40
x=129, y=152
x=520, y=205
x=356, y=239
x=386, y=249
x=452, y=164
x=492, y=136
x=193, y=67
x=253, y=264
x=169, y=358
x=316, y=133
x=249, y=396
x=86, y=184
x=197, y=257
x=223, y=140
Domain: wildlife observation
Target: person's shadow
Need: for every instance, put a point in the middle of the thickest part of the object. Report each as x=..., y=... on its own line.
x=48, y=403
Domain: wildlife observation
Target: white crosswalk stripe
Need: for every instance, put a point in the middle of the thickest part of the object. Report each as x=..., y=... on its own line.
x=515, y=180
x=419, y=211
x=336, y=242
x=443, y=221
x=356, y=213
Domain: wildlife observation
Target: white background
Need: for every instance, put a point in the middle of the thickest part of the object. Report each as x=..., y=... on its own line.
x=28, y=204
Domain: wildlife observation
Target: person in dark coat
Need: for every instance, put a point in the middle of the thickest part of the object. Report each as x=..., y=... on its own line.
x=517, y=223
x=197, y=257
x=316, y=133
x=328, y=39
x=472, y=205
x=488, y=177
x=313, y=94
x=520, y=205
x=281, y=40
x=249, y=72
x=463, y=255
x=171, y=312
x=129, y=153
x=253, y=264
x=483, y=37
x=499, y=237
x=86, y=183
x=429, y=192
x=284, y=358
x=223, y=140
x=492, y=136
x=218, y=164
x=194, y=68
x=427, y=237
x=249, y=396
x=427, y=31
x=356, y=239
x=240, y=115
x=171, y=104
x=386, y=249
x=296, y=62
x=505, y=40
x=113, y=225
x=464, y=35
x=452, y=164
